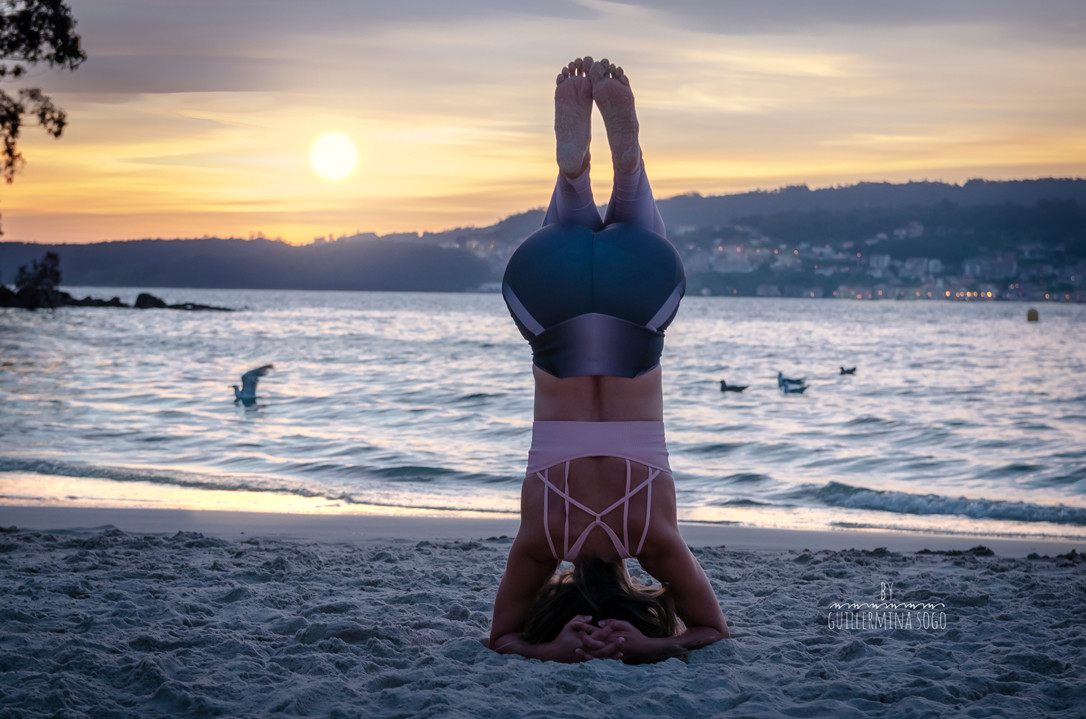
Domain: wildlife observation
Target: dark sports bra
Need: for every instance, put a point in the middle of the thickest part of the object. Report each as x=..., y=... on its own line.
x=594, y=303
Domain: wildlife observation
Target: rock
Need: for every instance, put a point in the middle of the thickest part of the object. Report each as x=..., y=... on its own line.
x=32, y=298
x=96, y=302
x=147, y=301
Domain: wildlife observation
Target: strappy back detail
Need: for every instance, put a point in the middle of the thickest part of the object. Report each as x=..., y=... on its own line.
x=558, y=443
x=622, y=546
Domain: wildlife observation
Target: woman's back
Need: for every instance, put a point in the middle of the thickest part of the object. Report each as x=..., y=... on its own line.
x=599, y=482
x=599, y=398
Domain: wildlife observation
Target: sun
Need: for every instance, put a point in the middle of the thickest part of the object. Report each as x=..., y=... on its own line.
x=333, y=156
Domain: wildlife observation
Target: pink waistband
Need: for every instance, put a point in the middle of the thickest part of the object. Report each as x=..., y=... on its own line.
x=557, y=442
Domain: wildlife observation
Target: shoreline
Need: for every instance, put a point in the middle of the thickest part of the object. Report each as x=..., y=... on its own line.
x=384, y=528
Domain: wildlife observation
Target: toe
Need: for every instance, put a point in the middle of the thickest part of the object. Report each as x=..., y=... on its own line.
x=586, y=63
x=597, y=71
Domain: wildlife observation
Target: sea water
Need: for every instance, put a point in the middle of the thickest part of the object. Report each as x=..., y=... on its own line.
x=960, y=417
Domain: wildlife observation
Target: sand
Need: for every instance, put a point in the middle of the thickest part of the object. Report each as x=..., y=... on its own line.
x=318, y=618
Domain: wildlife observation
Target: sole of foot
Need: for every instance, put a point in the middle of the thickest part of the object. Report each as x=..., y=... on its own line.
x=573, y=117
x=613, y=96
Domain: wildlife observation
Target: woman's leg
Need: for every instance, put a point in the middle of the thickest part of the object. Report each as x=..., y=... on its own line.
x=631, y=198
x=572, y=202
x=632, y=201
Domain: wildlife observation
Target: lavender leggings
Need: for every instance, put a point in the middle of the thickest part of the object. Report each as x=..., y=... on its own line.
x=631, y=201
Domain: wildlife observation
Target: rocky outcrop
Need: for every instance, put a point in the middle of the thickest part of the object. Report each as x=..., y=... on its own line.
x=34, y=299
x=147, y=301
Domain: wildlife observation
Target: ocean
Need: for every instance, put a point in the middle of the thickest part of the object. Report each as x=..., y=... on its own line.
x=961, y=417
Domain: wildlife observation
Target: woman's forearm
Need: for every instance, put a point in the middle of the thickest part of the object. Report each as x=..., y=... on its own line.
x=515, y=644
x=660, y=648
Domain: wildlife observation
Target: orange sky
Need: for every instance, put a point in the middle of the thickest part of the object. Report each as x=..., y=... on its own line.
x=193, y=118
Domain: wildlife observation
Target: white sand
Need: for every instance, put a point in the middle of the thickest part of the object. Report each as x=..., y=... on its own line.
x=310, y=617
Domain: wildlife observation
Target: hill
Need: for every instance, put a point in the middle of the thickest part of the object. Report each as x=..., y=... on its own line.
x=957, y=222
x=347, y=264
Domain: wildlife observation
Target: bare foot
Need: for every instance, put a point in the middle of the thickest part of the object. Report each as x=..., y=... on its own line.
x=573, y=117
x=612, y=93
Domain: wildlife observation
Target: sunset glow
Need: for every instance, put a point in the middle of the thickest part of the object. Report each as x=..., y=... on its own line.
x=452, y=108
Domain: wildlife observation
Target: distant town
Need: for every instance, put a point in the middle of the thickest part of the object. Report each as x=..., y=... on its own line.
x=864, y=270
x=749, y=263
x=980, y=252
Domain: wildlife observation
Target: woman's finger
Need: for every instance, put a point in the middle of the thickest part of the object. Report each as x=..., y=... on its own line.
x=583, y=627
x=592, y=642
x=607, y=651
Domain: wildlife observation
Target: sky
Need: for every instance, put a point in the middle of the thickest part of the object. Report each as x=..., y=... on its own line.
x=195, y=118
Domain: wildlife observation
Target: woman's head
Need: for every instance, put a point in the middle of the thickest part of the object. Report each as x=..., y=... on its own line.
x=600, y=589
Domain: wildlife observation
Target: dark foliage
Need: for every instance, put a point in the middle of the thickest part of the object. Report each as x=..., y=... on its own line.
x=36, y=286
x=40, y=276
x=32, y=32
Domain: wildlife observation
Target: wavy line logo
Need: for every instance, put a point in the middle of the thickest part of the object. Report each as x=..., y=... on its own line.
x=887, y=613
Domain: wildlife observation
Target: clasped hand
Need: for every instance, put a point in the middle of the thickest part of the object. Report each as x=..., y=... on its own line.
x=580, y=640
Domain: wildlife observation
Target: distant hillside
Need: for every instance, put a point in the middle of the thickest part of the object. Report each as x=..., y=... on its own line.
x=467, y=258
x=258, y=264
x=684, y=212
x=698, y=211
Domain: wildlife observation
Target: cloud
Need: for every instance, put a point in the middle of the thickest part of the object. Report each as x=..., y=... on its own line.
x=1058, y=18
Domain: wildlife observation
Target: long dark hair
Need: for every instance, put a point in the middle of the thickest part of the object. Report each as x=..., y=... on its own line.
x=602, y=590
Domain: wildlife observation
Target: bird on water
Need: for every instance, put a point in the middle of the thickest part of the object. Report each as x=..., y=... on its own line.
x=247, y=393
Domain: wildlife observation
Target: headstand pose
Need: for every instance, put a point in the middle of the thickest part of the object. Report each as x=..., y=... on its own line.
x=593, y=297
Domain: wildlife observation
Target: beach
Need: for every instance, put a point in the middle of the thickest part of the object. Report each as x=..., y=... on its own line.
x=122, y=612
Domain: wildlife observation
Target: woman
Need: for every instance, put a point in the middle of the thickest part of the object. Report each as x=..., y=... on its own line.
x=593, y=296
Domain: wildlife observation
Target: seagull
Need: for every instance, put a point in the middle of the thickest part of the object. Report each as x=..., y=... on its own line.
x=791, y=386
x=725, y=387
x=850, y=370
x=783, y=381
x=247, y=393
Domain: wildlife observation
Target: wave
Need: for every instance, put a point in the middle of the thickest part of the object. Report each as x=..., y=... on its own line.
x=869, y=419
x=836, y=494
x=177, y=478
x=739, y=503
x=236, y=483
x=1027, y=534
x=714, y=448
x=746, y=478
x=477, y=397
x=412, y=473
x=1013, y=469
